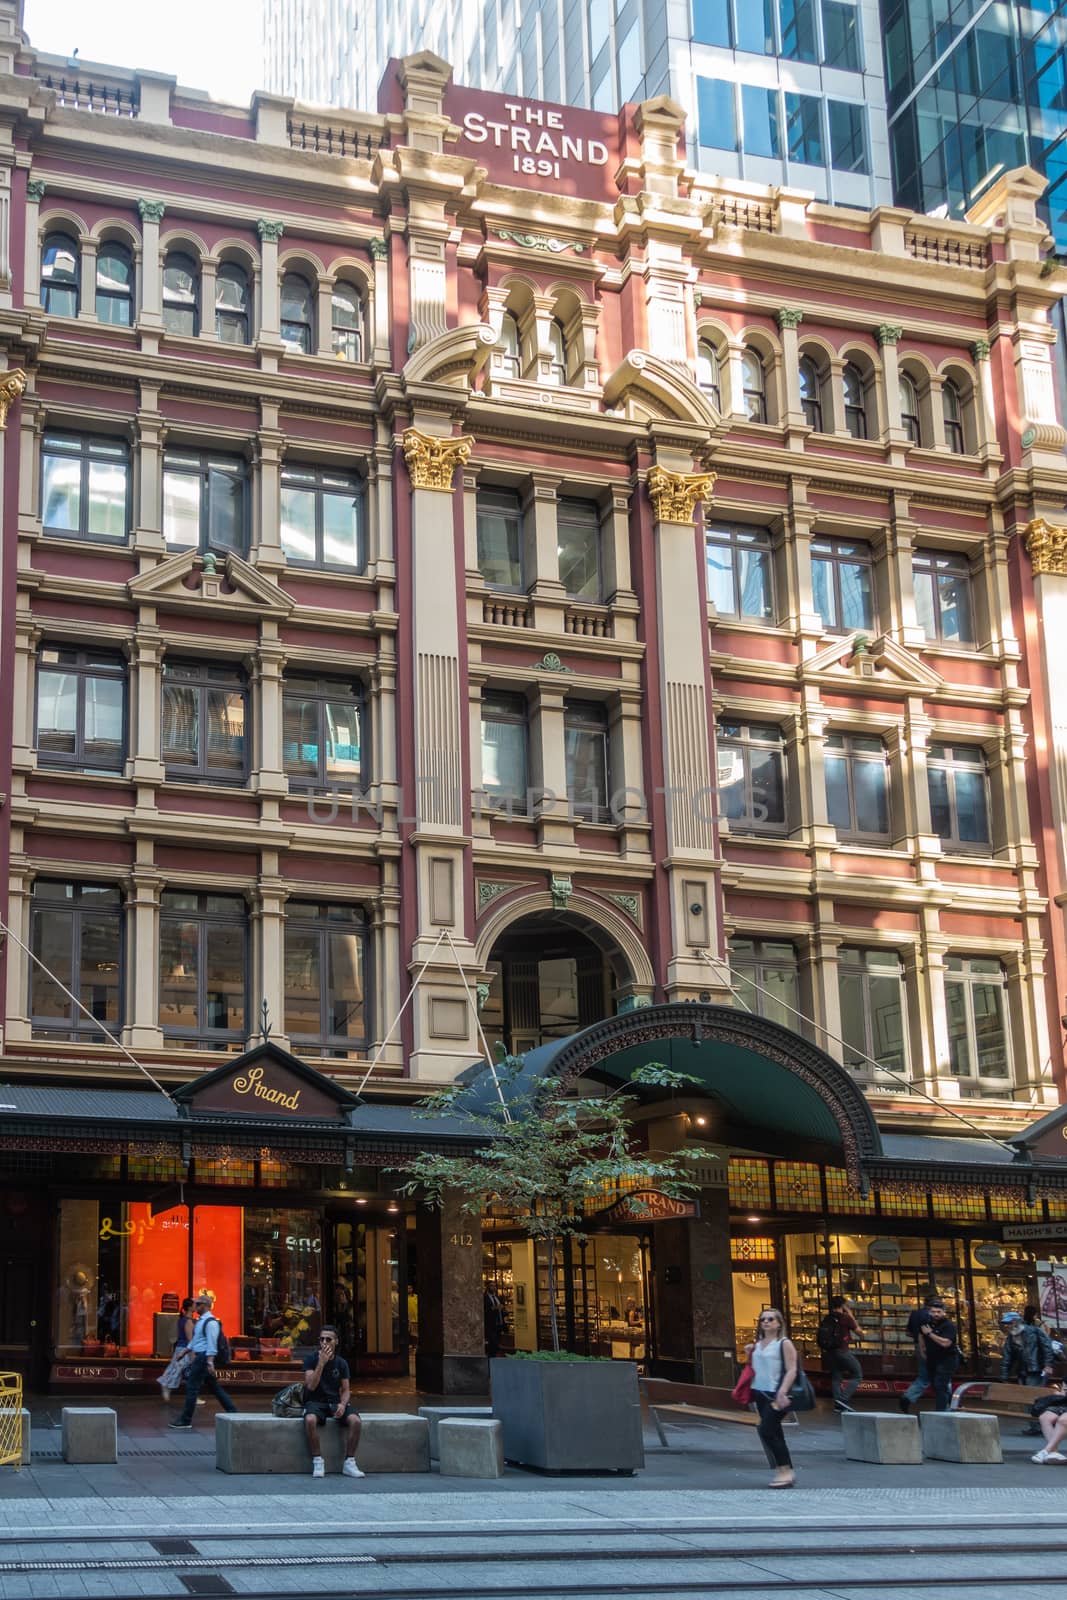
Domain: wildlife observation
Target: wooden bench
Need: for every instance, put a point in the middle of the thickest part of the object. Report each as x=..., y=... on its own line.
x=997, y=1399
x=692, y=1402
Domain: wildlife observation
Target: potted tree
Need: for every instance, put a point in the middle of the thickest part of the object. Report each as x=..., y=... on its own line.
x=547, y=1157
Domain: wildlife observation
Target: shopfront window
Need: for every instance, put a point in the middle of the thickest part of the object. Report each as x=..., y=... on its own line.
x=369, y=1278
x=601, y=1300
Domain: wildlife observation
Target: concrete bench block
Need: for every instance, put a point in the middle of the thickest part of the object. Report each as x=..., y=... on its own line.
x=25, y=1433
x=881, y=1436
x=435, y=1414
x=90, y=1434
x=390, y=1442
x=961, y=1436
x=471, y=1447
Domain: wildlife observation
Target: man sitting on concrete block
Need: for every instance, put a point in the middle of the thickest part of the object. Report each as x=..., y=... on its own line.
x=327, y=1387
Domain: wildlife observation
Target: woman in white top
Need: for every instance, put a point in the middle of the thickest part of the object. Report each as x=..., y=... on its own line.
x=774, y=1364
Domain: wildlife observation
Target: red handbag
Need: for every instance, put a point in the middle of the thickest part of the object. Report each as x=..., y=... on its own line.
x=742, y=1389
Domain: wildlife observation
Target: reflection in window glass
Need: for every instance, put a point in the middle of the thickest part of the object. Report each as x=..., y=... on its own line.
x=76, y=935
x=871, y=991
x=764, y=972
x=755, y=27
x=504, y=771
x=578, y=547
x=848, y=138
x=739, y=572
x=943, y=596
x=803, y=124
x=798, y=29
x=715, y=114
x=500, y=539
x=324, y=977
x=759, y=109
x=977, y=1029
x=711, y=22
x=840, y=32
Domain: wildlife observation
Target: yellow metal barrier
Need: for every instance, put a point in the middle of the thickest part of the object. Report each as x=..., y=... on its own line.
x=11, y=1419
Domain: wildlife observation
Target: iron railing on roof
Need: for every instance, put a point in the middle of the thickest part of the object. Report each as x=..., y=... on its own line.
x=335, y=139
x=944, y=249
x=90, y=94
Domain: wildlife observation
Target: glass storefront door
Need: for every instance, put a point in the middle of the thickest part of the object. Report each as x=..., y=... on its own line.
x=370, y=1291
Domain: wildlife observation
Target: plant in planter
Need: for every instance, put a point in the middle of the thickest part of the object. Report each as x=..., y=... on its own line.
x=547, y=1157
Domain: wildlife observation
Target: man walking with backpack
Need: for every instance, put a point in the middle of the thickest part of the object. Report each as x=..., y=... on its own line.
x=833, y=1336
x=208, y=1342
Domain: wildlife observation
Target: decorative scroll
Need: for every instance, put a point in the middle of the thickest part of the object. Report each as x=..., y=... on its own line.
x=539, y=241
x=675, y=495
x=431, y=462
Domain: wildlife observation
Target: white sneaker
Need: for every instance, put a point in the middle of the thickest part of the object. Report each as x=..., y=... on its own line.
x=350, y=1469
x=318, y=1467
x=1047, y=1455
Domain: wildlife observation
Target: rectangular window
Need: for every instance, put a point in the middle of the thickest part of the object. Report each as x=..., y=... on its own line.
x=322, y=722
x=322, y=518
x=959, y=796
x=500, y=538
x=504, y=766
x=578, y=545
x=798, y=29
x=325, y=979
x=848, y=137
x=85, y=486
x=81, y=709
x=803, y=127
x=751, y=767
x=585, y=732
x=841, y=583
x=765, y=975
x=943, y=596
x=204, y=502
x=857, y=785
x=739, y=572
x=711, y=23
x=759, y=108
x=755, y=27
x=976, y=1002
x=76, y=933
x=203, y=979
x=871, y=990
x=205, y=723
x=840, y=34
x=715, y=114
x=629, y=62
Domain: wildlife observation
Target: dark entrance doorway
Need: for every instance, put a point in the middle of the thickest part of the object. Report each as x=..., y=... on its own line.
x=547, y=980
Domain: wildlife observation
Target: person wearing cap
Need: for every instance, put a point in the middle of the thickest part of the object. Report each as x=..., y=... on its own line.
x=1027, y=1353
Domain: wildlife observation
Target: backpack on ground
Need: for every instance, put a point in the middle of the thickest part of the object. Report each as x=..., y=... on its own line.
x=288, y=1402
x=223, y=1350
x=828, y=1333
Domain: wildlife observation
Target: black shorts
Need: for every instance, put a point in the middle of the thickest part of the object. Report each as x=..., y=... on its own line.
x=323, y=1410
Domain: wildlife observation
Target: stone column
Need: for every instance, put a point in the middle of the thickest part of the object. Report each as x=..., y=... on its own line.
x=984, y=403
x=19, y=898
x=31, y=261
x=146, y=663
x=87, y=296
x=450, y=1356
x=151, y=312
x=540, y=537
x=209, y=266
x=789, y=320
x=889, y=335
x=148, y=512
x=267, y=918
x=548, y=767
x=378, y=320
x=143, y=888
x=270, y=338
x=694, y=1307
x=266, y=678
x=267, y=552
x=27, y=638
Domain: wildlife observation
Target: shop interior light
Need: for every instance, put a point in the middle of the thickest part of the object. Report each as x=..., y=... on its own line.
x=360, y=1201
x=753, y=1219
x=701, y=1122
x=393, y=1207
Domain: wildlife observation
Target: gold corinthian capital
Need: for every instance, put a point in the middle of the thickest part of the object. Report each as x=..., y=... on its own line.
x=1046, y=545
x=431, y=461
x=674, y=495
x=12, y=384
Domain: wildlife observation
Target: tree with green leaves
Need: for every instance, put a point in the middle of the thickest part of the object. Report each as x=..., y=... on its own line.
x=545, y=1156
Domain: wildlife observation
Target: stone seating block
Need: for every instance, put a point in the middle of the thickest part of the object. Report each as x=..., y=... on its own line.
x=257, y=1442
x=471, y=1447
x=90, y=1434
x=884, y=1437
x=435, y=1414
x=972, y=1436
x=25, y=1434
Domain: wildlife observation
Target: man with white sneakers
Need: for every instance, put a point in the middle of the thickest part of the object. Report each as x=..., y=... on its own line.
x=327, y=1388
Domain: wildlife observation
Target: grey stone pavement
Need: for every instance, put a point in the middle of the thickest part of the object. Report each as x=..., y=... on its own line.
x=698, y=1520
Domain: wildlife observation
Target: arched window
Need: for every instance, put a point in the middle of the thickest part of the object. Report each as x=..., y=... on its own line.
x=811, y=393
x=114, y=284
x=346, y=321
x=708, y=378
x=232, y=304
x=855, y=401
x=297, y=314
x=510, y=346
x=59, y=275
x=181, y=293
x=754, y=385
x=909, y=409
x=557, y=343
x=952, y=410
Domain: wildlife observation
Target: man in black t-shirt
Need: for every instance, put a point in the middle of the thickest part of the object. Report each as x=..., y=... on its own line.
x=937, y=1335
x=326, y=1394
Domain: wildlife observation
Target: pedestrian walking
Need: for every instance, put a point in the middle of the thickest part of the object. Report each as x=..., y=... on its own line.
x=200, y=1372
x=941, y=1353
x=833, y=1336
x=921, y=1381
x=1026, y=1355
x=774, y=1366
x=327, y=1391
x=173, y=1375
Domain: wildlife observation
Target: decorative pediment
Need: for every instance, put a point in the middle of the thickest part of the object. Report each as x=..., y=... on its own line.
x=266, y=1081
x=856, y=657
x=191, y=581
x=452, y=358
x=648, y=388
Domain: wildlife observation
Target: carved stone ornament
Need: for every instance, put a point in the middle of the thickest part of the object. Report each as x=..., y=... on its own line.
x=890, y=333
x=12, y=384
x=550, y=662
x=561, y=888
x=151, y=210
x=1046, y=545
x=790, y=317
x=378, y=249
x=539, y=241
x=432, y=462
x=674, y=495
x=35, y=191
x=488, y=891
x=270, y=230
x=981, y=349
x=630, y=904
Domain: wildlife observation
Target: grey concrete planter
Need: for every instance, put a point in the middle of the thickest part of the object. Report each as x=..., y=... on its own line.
x=569, y=1416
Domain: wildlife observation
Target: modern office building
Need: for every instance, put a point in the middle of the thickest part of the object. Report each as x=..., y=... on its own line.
x=468, y=580
x=784, y=92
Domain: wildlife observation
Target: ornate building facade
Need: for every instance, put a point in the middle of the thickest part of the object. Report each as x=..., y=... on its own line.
x=467, y=577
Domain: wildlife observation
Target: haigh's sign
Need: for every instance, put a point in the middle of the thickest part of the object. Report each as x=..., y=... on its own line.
x=649, y=1205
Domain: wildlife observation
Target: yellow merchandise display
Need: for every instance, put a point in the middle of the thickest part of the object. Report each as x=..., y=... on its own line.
x=11, y=1420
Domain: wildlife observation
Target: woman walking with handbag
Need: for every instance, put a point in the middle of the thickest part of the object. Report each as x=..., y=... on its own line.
x=173, y=1375
x=775, y=1365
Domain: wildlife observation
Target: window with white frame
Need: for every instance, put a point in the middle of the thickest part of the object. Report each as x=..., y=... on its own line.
x=958, y=780
x=873, y=1011
x=943, y=596
x=751, y=769
x=585, y=733
x=505, y=766
x=842, y=584
x=766, y=976
x=739, y=572
x=857, y=785
x=976, y=1003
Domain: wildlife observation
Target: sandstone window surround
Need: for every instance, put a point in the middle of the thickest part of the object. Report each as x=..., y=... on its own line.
x=546, y=339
